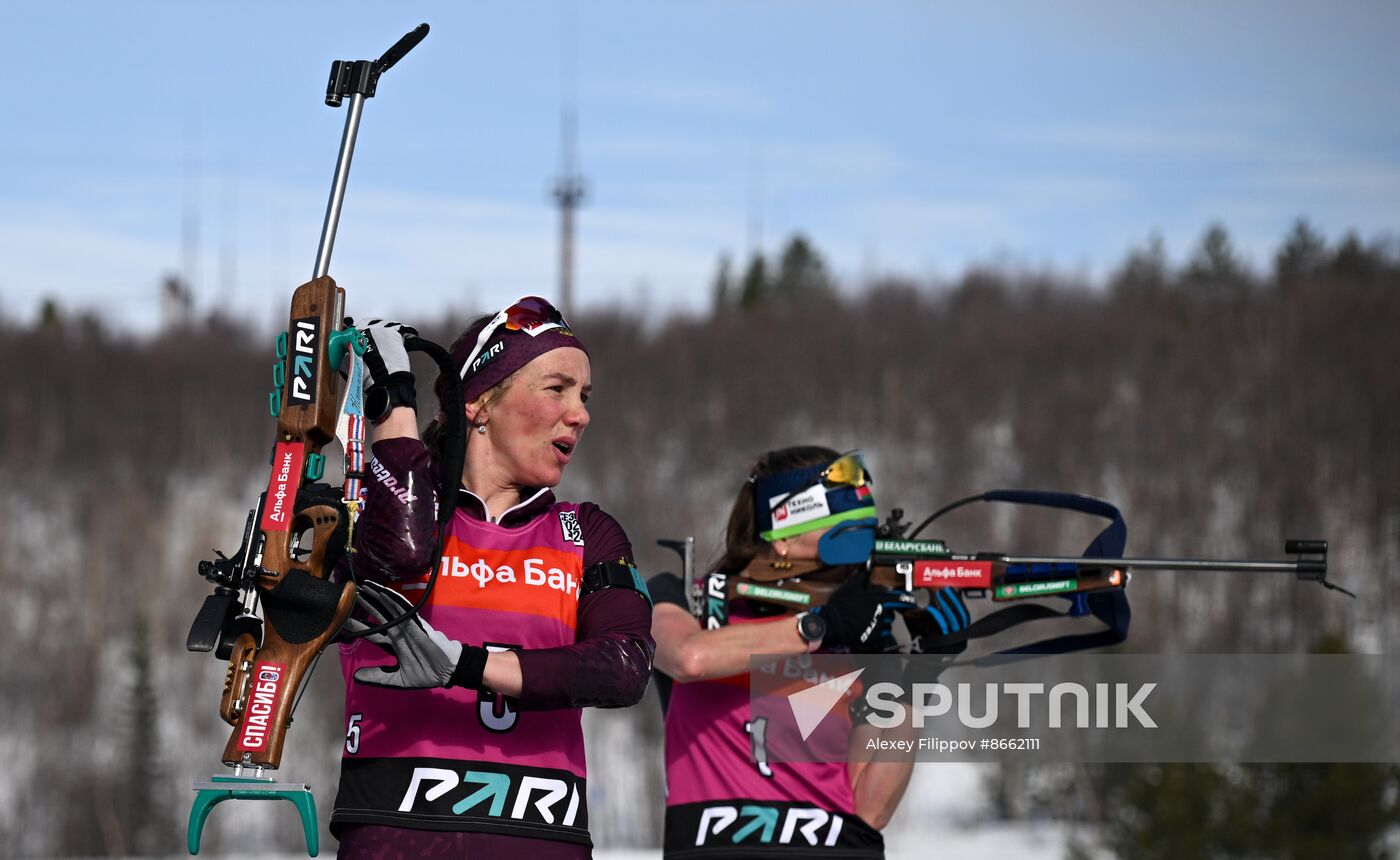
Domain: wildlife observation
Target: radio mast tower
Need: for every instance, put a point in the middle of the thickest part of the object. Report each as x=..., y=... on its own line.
x=569, y=193
x=569, y=188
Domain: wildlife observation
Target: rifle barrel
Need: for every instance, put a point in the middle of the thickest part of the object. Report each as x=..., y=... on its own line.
x=1163, y=563
x=342, y=175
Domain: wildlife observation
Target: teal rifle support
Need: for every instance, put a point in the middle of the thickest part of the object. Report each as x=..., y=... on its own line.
x=221, y=788
x=346, y=337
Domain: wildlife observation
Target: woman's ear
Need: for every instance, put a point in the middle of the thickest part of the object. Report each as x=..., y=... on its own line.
x=474, y=409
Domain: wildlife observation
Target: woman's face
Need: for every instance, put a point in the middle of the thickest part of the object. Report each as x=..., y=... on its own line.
x=535, y=427
x=802, y=547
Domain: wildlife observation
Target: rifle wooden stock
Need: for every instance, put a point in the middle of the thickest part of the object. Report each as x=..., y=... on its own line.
x=300, y=616
x=309, y=406
x=1089, y=577
x=261, y=725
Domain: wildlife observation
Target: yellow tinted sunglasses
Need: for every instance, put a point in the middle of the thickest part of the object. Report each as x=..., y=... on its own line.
x=848, y=470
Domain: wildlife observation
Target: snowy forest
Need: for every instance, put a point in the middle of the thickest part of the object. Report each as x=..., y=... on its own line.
x=1222, y=406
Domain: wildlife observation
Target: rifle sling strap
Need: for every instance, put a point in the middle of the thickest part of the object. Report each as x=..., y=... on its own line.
x=1110, y=607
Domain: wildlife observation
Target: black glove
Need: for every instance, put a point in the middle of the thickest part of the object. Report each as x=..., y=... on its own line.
x=941, y=626
x=389, y=380
x=861, y=616
x=427, y=658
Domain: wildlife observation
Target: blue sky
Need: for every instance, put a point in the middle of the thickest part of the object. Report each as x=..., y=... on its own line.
x=918, y=138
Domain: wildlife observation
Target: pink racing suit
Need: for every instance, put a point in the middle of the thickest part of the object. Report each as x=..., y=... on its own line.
x=724, y=799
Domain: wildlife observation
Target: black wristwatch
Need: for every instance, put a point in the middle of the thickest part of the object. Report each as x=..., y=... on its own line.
x=812, y=628
x=380, y=400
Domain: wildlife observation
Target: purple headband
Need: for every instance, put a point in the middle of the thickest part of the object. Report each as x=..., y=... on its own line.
x=514, y=337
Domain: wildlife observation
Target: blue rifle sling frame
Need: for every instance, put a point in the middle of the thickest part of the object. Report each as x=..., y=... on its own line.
x=1109, y=606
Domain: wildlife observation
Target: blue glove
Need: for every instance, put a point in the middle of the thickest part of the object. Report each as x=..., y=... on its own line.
x=941, y=626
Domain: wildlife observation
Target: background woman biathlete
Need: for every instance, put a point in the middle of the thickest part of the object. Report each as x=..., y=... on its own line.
x=802, y=510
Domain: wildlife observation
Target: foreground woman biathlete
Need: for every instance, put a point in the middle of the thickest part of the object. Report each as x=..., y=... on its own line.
x=463, y=726
x=724, y=799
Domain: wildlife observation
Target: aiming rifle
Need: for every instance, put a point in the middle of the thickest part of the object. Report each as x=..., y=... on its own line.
x=274, y=608
x=1094, y=583
x=929, y=563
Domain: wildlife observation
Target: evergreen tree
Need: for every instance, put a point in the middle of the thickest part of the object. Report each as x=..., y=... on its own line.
x=1176, y=812
x=50, y=314
x=1353, y=261
x=144, y=813
x=1302, y=257
x=754, y=289
x=723, y=287
x=1215, y=270
x=801, y=273
x=1283, y=811
x=1145, y=272
x=1324, y=811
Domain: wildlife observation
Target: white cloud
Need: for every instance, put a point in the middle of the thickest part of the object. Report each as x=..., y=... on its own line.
x=840, y=162
x=735, y=101
x=1040, y=192
x=1136, y=140
x=49, y=252
x=1337, y=178
x=396, y=253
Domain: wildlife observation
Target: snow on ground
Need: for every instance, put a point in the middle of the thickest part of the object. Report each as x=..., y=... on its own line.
x=943, y=814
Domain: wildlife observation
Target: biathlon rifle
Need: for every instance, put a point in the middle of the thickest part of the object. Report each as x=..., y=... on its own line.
x=274, y=608
x=1003, y=577
x=1094, y=583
